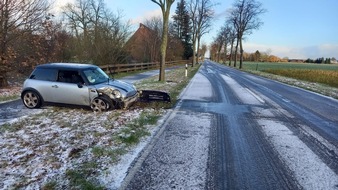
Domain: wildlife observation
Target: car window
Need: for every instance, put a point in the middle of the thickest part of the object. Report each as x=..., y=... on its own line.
x=69, y=77
x=96, y=76
x=44, y=74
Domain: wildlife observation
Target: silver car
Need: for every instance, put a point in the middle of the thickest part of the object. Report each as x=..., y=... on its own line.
x=77, y=84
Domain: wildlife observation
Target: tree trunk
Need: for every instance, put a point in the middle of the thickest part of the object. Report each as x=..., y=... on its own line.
x=236, y=50
x=193, y=53
x=225, y=53
x=198, y=49
x=231, y=51
x=218, y=55
x=164, y=44
x=241, y=56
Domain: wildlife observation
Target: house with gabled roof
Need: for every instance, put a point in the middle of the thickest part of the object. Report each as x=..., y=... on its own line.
x=144, y=46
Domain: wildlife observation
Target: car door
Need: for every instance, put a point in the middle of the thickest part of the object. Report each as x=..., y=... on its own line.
x=43, y=79
x=70, y=88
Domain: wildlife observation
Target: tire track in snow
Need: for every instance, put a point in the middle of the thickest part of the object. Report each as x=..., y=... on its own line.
x=308, y=168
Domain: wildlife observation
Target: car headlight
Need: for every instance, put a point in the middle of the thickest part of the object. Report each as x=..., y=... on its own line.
x=117, y=93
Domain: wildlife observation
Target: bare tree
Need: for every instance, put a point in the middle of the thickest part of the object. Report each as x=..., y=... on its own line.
x=203, y=50
x=165, y=7
x=245, y=18
x=205, y=15
x=226, y=33
x=218, y=44
x=78, y=16
x=201, y=13
x=18, y=20
x=232, y=38
x=153, y=41
x=193, y=9
x=222, y=41
x=99, y=33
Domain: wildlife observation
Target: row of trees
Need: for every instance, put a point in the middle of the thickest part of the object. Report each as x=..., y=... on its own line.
x=88, y=32
x=31, y=35
x=191, y=22
x=322, y=60
x=20, y=22
x=257, y=56
x=242, y=20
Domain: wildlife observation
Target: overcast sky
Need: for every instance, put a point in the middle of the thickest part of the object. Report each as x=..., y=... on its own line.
x=292, y=28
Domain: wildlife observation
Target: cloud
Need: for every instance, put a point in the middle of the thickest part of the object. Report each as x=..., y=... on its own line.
x=313, y=52
x=147, y=15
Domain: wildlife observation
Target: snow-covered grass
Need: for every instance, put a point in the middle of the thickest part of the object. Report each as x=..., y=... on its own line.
x=312, y=86
x=9, y=93
x=60, y=145
x=73, y=148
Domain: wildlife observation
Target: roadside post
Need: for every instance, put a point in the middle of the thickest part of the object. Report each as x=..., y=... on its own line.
x=186, y=70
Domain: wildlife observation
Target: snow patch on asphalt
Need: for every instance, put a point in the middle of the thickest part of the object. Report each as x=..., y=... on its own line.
x=244, y=94
x=199, y=89
x=178, y=158
x=308, y=168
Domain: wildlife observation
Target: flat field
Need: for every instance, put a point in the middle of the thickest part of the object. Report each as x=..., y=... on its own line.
x=326, y=74
x=262, y=66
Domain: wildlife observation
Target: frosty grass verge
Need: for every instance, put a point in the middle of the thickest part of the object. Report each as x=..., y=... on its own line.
x=63, y=148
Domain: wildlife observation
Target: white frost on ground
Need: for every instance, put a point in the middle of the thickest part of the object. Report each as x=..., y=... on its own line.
x=38, y=150
x=13, y=91
x=309, y=169
x=199, y=88
x=116, y=173
x=181, y=163
x=247, y=96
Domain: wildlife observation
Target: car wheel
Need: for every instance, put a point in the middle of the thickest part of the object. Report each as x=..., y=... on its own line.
x=101, y=104
x=31, y=99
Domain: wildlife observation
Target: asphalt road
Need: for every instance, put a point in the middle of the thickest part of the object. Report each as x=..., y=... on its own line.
x=12, y=110
x=233, y=130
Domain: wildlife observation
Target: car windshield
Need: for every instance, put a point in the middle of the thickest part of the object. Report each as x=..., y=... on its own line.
x=96, y=76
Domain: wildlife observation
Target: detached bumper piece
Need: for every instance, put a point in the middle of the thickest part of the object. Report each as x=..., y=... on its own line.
x=153, y=95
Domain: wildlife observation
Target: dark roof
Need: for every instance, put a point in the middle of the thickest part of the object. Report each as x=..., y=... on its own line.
x=67, y=66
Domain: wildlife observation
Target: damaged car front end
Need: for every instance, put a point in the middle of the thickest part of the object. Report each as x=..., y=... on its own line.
x=122, y=94
x=111, y=93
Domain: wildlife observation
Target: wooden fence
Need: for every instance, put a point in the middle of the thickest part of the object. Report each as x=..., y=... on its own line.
x=123, y=68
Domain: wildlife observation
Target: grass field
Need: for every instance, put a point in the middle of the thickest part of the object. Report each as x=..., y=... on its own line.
x=262, y=66
x=326, y=74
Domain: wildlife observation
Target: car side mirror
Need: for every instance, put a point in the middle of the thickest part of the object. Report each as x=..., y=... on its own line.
x=80, y=85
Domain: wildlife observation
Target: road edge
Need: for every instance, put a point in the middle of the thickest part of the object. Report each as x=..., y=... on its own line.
x=138, y=161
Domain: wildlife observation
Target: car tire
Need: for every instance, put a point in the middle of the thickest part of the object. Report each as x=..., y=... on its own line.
x=31, y=99
x=101, y=104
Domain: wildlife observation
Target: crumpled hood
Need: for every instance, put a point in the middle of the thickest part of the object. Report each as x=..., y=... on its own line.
x=124, y=87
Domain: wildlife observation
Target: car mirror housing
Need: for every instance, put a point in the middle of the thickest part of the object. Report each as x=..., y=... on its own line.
x=80, y=85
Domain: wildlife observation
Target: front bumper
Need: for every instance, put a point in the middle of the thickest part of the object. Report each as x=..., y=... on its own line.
x=127, y=102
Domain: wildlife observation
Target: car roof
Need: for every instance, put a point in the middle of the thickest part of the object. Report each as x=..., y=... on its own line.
x=67, y=66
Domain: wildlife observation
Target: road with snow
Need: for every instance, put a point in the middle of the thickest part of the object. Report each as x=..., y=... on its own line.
x=233, y=130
